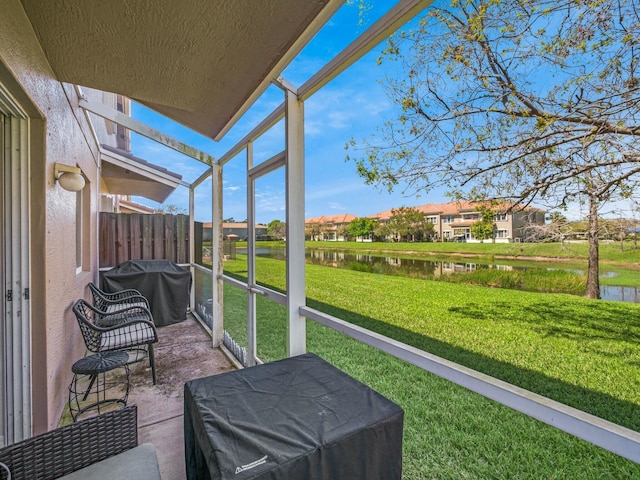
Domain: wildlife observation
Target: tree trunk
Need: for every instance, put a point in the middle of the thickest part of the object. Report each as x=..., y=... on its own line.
x=593, y=273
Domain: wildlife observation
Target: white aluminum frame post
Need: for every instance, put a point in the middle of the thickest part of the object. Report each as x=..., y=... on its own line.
x=251, y=261
x=296, y=280
x=217, y=322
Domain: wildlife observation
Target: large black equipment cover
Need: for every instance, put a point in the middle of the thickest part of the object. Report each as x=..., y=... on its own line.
x=298, y=418
x=165, y=284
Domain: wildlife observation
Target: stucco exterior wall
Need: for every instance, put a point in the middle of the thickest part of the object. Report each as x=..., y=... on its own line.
x=59, y=133
x=104, y=129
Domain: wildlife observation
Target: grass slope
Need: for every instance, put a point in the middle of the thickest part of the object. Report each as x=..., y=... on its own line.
x=580, y=352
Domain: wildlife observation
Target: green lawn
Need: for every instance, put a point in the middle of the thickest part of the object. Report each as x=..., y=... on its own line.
x=580, y=352
x=618, y=267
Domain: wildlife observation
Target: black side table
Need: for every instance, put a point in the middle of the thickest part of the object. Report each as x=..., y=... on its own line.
x=92, y=389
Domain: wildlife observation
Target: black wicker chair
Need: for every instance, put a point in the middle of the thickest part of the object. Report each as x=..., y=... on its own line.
x=111, y=302
x=70, y=448
x=130, y=329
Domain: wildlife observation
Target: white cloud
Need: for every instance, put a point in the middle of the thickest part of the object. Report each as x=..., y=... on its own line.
x=321, y=192
x=340, y=120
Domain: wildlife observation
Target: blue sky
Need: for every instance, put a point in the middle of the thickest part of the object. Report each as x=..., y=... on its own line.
x=353, y=105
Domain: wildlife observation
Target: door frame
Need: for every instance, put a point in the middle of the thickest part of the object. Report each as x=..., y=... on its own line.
x=15, y=247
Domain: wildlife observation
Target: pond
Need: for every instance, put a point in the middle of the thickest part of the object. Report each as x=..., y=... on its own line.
x=434, y=267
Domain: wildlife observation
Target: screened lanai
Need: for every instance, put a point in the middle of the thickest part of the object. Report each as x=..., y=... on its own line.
x=176, y=79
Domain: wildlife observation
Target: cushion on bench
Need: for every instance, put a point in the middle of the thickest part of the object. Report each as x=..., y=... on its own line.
x=139, y=463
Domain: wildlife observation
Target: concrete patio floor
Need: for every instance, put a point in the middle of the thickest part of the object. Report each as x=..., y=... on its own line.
x=183, y=353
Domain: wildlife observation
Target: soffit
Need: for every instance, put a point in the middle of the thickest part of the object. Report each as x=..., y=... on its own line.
x=125, y=174
x=197, y=62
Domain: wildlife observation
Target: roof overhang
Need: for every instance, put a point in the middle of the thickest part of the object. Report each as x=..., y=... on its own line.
x=199, y=63
x=124, y=174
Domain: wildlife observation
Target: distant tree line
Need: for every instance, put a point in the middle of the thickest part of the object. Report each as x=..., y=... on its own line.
x=560, y=229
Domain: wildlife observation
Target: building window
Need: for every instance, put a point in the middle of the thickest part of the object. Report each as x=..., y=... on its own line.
x=433, y=220
x=500, y=217
x=502, y=233
x=448, y=219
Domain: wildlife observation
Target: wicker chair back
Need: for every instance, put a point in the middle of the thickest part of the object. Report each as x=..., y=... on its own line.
x=126, y=329
x=66, y=449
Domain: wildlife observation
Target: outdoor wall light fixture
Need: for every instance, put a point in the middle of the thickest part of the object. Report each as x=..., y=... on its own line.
x=70, y=178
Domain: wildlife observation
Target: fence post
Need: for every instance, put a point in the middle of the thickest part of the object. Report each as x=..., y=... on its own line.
x=122, y=239
x=182, y=234
x=197, y=242
x=158, y=236
x=169, y=235
x=135, y=234
x=107, y=239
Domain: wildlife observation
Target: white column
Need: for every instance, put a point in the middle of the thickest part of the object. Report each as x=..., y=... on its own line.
x=296, y=327
x=217, y=327
x=251, y=261
x=192, y=246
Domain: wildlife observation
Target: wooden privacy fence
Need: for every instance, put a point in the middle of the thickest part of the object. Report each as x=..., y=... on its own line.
x=137, y=236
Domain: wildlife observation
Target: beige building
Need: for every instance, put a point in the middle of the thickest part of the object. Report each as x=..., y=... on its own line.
x=234, y=231
x=452, y=221
x=329, y=228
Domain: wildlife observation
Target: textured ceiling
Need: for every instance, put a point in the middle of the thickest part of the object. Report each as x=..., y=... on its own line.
x=196, y=61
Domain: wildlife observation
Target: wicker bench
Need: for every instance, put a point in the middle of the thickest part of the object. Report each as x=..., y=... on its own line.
x=105, y=446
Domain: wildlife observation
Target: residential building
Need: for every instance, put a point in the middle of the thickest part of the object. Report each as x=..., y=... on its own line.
x=124, y=204
x=452, y=221
x=234, y=231
x=329, y=228
x=240, y=230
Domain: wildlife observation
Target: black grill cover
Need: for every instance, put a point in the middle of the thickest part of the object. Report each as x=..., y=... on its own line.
x=298, y=418
x=165, y=284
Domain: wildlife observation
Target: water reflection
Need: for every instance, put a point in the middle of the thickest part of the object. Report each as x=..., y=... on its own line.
x=404, y=267
x=620, y=294
x=427, y=268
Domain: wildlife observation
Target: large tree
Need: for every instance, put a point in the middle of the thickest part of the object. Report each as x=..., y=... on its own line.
x=518, y=100
x=277, y=229
x=557, y=229
x=484, y=229
x=407, y=224
x=362, y=227
x=312, y=231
